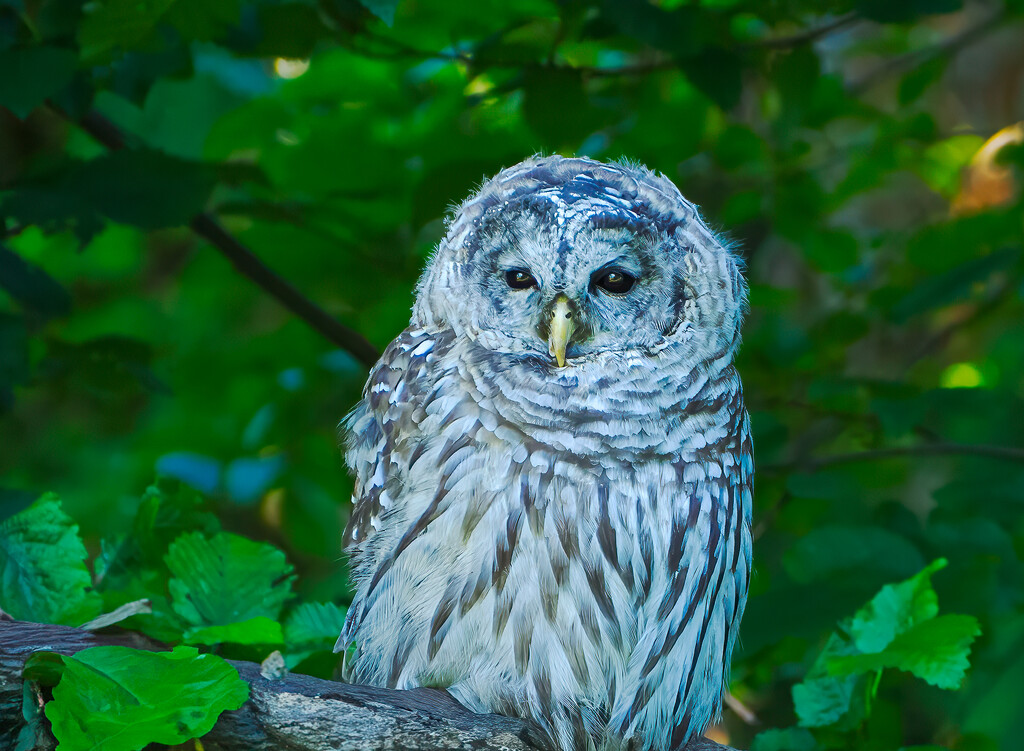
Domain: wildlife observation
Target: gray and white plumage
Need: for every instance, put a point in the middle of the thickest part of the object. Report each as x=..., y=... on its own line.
x=570, y=544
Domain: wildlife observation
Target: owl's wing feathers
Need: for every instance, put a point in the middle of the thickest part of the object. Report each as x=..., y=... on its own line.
x=380, y=431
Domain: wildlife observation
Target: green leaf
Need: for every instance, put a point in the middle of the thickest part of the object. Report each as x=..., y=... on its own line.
x=822, y=698
x=118, y=23
x=831, y=251
x=935, y=651
x=786, y=739
x=716, y=73
x=144, y=188
x=168, y=509
x=895, y=609
x=31, y=286
x=45, y=668
x=954, y=285
x=557, y=108
x=204, y=20
x=383, y=9
x=43, y=576
x=32, y=75
x=52, y=207
x=226, y=579
x=14, y=363
x=121, y=699
x=258, y=630
x=313, y=626
x=112, y=368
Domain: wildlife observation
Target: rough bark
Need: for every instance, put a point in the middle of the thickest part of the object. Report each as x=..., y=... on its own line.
x=294, y=712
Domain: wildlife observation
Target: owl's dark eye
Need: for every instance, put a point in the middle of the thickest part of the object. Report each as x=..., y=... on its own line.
x=615, y=281
x=520, y=279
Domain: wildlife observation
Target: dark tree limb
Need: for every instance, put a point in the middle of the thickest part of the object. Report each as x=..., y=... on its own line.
x=805, y=36
x=951, y=45
x=248, y=263
x=292, y=713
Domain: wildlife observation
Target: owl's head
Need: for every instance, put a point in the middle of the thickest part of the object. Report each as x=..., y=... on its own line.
x=560, y=260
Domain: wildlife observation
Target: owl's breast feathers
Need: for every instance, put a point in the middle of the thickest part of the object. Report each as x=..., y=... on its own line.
x=572, y=546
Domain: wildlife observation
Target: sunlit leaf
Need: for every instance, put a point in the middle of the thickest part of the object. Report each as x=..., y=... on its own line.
x=894, y=610
x=121, y=699
x=935, y=650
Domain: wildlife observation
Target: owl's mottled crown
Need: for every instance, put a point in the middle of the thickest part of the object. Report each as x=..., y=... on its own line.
x=579, y=180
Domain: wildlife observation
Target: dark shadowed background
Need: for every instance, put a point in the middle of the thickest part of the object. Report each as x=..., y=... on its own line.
x=841, y=145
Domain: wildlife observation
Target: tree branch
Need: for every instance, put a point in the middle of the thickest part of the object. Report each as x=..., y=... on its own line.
x=806, y=35
x=401, y=51
x=291, y=713
x=941, y=338
x=1007, y=453
x=914, y=59
x=248, y=263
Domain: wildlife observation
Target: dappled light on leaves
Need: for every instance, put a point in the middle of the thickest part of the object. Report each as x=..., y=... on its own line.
x=290, y=68
x=961, y=375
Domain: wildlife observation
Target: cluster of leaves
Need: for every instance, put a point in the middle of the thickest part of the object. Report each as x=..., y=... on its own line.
x=176, y=577
x=882, y=359
x=898, y=628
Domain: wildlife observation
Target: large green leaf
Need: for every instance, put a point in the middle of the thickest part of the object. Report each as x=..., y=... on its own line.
x=43, y=576
x=312, y=627
x=226, y=579
x=143, y=188
x=822, y=698
x=935, y=650
x=787, y=739
x=121, y=699
x=895, y=609
x=123, y=24
x=168, y=509
x=33, y=74
x=258, y=630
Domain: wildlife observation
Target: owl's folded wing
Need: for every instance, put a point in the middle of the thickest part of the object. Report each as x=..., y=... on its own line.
x=390, y=412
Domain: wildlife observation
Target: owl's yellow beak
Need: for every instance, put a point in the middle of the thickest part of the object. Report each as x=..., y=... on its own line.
x=562, y=325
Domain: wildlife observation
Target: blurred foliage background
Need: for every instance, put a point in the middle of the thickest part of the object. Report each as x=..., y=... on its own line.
x=843, y=145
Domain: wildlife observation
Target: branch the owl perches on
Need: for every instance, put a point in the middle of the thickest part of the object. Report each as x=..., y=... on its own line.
x=294, y=713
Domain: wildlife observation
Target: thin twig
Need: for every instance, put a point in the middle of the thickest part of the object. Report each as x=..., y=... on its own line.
x=948, y=46
x=400, y=50
x=1006, y=453
x=806, y=35
x=941, y=338
x=248, y=263
x=742, y=711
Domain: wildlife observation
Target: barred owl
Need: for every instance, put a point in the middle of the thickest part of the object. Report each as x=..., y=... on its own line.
x=553, y=464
